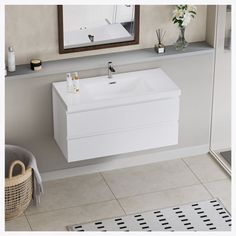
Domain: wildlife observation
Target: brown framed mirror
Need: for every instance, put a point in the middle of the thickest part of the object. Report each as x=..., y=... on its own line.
x=91, y=27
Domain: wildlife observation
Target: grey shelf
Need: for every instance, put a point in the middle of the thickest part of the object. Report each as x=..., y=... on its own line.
x=100, y=61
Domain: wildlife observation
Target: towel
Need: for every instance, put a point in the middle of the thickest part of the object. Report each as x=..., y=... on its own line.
x=13, y=153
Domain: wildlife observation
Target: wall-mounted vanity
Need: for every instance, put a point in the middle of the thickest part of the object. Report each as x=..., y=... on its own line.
x=132, y=111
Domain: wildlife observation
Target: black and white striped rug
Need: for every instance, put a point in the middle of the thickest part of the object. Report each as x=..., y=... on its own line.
x=208, y=215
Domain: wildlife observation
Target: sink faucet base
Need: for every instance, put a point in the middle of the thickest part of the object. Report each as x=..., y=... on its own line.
x=110, y=69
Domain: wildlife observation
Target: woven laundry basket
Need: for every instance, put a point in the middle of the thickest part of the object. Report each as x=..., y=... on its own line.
x=18, y=191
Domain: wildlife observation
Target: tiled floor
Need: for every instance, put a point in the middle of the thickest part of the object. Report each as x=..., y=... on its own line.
x=130, y=190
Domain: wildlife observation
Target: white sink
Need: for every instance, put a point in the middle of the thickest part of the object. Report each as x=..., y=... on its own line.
x=131, y=84
x=131, y=87
x=116, y=88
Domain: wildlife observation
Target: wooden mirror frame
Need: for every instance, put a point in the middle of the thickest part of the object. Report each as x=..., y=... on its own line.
x=63, y=50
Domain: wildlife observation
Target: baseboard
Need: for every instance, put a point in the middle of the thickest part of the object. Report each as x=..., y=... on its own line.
x=127, y=160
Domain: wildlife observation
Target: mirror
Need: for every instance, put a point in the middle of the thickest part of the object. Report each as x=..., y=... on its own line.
x=90, y=27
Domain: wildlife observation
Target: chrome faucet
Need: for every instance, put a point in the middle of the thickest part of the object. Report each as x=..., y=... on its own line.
x=110, y=69
x=91, y=38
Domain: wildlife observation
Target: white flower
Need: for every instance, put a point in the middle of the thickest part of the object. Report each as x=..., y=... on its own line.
x=183, y=14
x=191, y=8
x=178, y=13
x=186, y=19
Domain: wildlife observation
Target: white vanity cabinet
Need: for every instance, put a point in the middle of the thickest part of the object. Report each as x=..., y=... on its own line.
x=127, y=120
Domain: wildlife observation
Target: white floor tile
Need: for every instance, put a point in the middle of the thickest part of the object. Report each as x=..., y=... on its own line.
x=159, y=185
x=164, y=199
x=149, y=178
x=73, y=191
x=58, y=220
x=206, y=168
x=222, y=190
x=18, y=224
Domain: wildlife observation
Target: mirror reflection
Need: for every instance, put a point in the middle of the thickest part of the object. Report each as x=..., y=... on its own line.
x=86, y=25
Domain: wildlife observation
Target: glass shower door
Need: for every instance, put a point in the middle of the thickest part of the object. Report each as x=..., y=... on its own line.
x=220, y=140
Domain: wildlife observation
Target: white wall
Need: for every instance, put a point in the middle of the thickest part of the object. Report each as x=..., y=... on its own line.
x=87, y=16
x=124, y=13
x=32, y=31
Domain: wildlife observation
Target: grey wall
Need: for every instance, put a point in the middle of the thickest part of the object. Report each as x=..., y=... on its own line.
x=211, y=21
x=29, y=108
x=32, y=30
x=221, y=114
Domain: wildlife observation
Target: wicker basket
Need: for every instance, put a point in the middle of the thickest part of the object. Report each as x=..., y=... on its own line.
x=18, y=191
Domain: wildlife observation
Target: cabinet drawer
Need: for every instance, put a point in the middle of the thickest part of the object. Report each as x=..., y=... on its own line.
x=119, y=118
x=123, y=142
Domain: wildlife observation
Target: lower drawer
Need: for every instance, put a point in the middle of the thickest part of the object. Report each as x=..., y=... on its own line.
x=122, y=142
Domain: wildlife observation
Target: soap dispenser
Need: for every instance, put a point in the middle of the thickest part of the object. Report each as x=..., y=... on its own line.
x=69, y=83
x=11, y=60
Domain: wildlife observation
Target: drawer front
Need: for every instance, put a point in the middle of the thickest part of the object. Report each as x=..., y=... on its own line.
x=120, y=118
x=123, y=142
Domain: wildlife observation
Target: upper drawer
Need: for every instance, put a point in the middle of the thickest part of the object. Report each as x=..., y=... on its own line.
x=119, y=118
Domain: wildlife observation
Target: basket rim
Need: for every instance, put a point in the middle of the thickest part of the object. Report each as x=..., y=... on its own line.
x=18, y=179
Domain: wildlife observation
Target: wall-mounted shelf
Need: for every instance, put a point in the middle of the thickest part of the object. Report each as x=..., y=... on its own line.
x=100, y=61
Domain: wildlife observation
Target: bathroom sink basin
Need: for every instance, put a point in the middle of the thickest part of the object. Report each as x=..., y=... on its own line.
x=116, y=88
x=121, y=89
x=132, y=84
